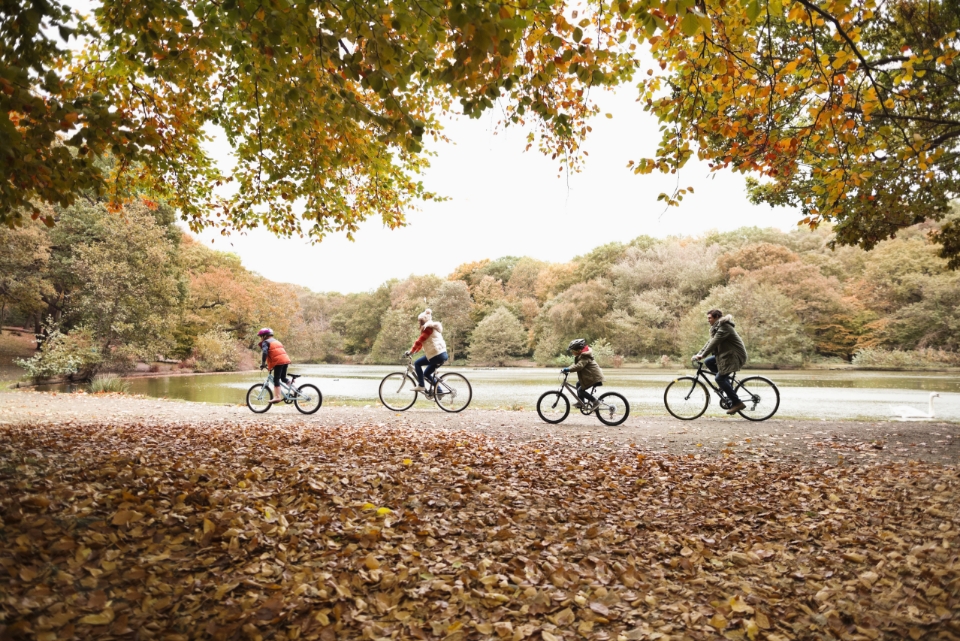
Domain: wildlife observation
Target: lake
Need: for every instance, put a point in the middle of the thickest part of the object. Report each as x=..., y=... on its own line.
x=828, y=394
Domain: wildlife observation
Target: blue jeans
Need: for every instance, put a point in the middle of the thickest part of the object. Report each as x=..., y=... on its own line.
x=584, y=395
x=723, y=380
x=432, y=364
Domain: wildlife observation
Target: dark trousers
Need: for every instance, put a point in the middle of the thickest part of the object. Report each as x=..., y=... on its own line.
x=431, y=366
x=280, y=374
x=584, y=394
x=723, y=380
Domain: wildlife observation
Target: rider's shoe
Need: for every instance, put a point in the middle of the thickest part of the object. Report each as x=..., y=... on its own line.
x=419, y=388
x=736, y=408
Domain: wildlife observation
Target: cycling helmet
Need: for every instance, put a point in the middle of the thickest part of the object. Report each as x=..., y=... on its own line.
x=577, y=344
x=266, y=331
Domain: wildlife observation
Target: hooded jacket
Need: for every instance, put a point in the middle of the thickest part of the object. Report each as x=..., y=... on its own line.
x=431, y=340
x=588, y=372
x=726, y=345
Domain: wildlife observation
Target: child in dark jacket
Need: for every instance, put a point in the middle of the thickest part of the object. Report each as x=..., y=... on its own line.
x=588, y=372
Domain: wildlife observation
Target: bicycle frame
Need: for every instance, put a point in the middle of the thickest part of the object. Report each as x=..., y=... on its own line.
x=706, y=379
x=429, y=386
x=564, y=385
x=287, y=390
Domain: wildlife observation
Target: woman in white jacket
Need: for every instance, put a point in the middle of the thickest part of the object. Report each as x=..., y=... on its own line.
x=434, y=349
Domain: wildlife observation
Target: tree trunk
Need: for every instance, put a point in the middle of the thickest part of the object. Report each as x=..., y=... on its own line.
x=3, y=312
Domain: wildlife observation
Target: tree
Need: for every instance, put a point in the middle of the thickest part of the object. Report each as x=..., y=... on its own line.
x=24, y=253
x=129, y=294
x=849, y=111
x=398, y=330
x=326, y=105
x=498, y=337
x=452, y=306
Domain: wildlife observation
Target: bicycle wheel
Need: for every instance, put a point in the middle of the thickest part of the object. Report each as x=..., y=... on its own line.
x=453, y=392
x=258, y=398
x=553, y=407
x=396, y=391
x=761, y=397
x=309, y=399
x=686, y=398
x=613, y=408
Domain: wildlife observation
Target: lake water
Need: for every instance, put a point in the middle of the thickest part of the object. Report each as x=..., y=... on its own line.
x=828, y=394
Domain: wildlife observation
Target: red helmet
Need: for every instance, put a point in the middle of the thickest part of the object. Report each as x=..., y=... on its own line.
x=266, y=331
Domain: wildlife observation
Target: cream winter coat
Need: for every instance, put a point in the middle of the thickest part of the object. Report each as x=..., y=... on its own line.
x=434, y=343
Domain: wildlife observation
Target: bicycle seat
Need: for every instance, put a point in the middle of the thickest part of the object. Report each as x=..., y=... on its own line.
x=294, y=377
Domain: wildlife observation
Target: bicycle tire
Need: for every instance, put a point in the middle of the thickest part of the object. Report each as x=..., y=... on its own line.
x=618, y=410
x=266, y=395
x=551, y=407
x=763, y=394
x=449, y=402
x=307, y=409
x=686, y=405
x=400, y=380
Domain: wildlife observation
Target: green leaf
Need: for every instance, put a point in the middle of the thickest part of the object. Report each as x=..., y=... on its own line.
x=776, y=8
x=690, y=25
x=753, y=10
x=577, y=34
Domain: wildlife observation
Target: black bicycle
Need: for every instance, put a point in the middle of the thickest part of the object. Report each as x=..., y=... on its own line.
x=611, y=408
x=686, y=398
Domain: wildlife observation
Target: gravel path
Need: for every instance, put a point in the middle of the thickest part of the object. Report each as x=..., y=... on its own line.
x=825, y=442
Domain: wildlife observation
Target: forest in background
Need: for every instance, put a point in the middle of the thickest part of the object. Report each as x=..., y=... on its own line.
x=107, y=291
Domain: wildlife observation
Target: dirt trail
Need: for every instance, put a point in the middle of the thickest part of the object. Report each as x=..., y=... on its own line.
x=826, y=442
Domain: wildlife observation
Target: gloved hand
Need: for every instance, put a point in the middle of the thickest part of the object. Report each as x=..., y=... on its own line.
x=407, y=353
x=695, y=358
x=263, y=367
x=565, y=370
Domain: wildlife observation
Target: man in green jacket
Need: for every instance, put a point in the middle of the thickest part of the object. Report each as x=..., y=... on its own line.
x=726, y=352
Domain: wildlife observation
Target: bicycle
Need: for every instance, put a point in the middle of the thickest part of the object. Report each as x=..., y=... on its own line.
x=451, y=392
x=306, y=398
x=611, y=408
x=686, y=398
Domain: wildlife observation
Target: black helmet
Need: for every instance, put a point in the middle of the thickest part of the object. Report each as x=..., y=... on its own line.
x=577, y=344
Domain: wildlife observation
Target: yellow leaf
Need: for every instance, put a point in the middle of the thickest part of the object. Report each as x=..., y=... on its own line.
x=407, y=461
x=103, y=618
x=751, y=629
x=368, y=506
x=737, y=605
x=718, y=621
x=208, y=526
x=383, y=511
x=371, y=562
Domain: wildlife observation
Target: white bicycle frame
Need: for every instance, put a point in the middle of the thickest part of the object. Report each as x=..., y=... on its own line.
x=431, y=390
x=287, y=391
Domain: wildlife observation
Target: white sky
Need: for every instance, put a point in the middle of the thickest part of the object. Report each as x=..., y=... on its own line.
x=504, y=201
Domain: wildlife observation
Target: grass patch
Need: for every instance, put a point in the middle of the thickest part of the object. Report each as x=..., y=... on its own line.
x=104, y=383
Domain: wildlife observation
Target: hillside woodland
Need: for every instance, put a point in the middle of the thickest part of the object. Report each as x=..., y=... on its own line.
x=105, y=291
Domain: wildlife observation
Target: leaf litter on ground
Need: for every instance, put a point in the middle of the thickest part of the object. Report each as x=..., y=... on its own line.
x=192, y=531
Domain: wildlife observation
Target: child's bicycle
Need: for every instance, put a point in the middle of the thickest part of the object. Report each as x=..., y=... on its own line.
x=307, y=398
x=452, y=391
x=611, y=408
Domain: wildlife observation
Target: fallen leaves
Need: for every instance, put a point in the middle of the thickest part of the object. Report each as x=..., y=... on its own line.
x=296, y=532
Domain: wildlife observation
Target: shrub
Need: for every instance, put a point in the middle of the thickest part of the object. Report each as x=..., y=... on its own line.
x=602, y=352
x=906, y=359
x=398, y=330
x=216, y=351
x=73, y=354
x=103, y=383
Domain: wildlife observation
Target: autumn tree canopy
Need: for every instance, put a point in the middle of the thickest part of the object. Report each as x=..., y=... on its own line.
x=846, y=109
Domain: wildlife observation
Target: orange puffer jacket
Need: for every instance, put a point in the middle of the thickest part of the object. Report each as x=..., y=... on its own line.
x=276, y=355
